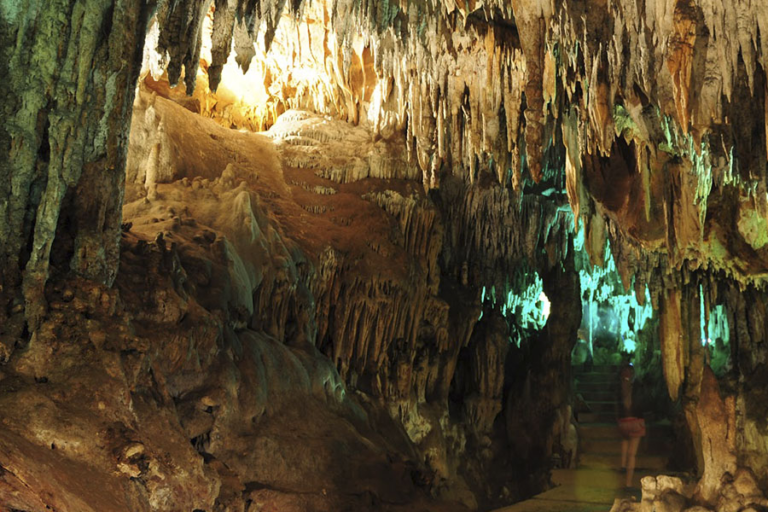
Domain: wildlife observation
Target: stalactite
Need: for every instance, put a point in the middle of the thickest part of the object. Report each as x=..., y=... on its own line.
x=639, y=106
x=68, y=105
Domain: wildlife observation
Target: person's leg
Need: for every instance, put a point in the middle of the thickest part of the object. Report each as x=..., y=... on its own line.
x=634, y=442
x=624, y=451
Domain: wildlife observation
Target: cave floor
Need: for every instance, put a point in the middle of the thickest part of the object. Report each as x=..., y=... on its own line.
x=578, y=490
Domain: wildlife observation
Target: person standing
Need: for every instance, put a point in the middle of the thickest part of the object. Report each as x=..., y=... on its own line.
x=631, y=425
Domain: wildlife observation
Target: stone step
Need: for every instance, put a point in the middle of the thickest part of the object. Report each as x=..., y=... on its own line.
x=603, y=378
x=612, y=446
x=609, y=430
x=589, y=387
x=605, y=430
x=649, y=445
x=613, y=460
x=596, y=417
x=602, y=406
x=598, y=394
x=598, y=368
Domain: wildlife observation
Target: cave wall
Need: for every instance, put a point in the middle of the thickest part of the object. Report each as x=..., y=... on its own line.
x=653, y=113
x=70, y=68
x=396, y=326
x=246, y=303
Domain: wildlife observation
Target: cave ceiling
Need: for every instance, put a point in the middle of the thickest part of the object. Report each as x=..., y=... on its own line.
x=657, y=109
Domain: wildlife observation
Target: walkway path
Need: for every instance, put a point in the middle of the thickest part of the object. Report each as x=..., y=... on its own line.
x=578, y=490
x=596, y=483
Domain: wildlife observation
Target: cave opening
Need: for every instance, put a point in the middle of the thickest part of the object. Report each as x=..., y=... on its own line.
x=619, y=336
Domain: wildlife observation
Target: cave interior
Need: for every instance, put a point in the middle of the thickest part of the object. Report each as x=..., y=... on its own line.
x=382, y=255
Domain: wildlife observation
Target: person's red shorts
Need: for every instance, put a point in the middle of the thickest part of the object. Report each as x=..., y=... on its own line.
x=631, y=427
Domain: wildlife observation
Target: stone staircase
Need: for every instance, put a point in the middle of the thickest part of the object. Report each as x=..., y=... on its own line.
x=600, y=442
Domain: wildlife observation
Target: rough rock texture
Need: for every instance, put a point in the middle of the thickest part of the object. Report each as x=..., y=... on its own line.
x=738, y=492
x=642, y=123
x=70, y=69
x=280, y=304
x=362, y=297
x=194, y=382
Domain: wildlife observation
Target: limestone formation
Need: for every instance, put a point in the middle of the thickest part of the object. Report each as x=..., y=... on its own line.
x=196, y=316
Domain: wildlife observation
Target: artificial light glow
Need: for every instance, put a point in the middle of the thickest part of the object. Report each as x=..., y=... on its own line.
x=545, y=306
x=609, y=312
x=528, y=308
x=245, y=88
x=293, y=74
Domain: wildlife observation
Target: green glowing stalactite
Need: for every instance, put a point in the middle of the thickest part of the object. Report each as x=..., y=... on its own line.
x=601, y=287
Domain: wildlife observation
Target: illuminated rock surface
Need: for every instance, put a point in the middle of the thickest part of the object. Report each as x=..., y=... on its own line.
x=345, y=311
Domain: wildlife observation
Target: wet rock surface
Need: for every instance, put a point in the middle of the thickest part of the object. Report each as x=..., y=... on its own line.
x=252, y=354
x=161, y=307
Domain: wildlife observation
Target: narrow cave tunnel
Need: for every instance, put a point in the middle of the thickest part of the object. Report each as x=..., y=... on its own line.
x=349, y=255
